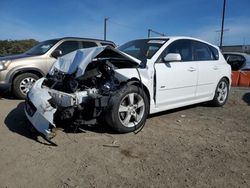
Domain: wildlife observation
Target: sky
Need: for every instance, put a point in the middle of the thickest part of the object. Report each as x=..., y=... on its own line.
x=128, y=20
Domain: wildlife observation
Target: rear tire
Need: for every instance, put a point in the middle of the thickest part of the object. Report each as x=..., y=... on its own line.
x=22, y=84
x=128, y=109
x=221, y=93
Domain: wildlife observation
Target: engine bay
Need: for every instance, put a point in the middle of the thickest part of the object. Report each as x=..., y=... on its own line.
x=99, y=75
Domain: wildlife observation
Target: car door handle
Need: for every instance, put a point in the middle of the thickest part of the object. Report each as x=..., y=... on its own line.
x=215, y=68
x=191, y=69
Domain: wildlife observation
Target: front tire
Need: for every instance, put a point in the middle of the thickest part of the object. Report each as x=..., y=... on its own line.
x=22, y=84
x=221, y=93
x=128, y=109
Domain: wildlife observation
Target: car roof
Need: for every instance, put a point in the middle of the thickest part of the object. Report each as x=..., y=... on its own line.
x=246, y=56
x=87, y=39
x=182, y=37
x=236, y=53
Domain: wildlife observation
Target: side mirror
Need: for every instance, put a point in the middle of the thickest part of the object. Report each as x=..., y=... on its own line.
x=172, y=57
x=56, y=53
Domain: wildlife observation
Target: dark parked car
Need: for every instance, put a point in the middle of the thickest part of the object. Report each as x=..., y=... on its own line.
x=238, y=61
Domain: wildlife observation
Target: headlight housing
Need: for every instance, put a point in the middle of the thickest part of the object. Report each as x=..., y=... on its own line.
x=4, y=64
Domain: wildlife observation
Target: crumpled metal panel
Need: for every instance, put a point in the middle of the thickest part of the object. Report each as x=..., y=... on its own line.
x=45, y=112
x=78, y=60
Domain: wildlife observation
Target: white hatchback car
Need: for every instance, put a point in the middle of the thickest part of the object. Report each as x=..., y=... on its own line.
x=122, y=86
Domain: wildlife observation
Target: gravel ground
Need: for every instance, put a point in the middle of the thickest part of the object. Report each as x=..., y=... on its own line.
x=196, y=146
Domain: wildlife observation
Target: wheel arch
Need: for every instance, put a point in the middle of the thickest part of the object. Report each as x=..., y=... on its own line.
x=18, y=72
x=214, y=101
x=112, y=114
x=227, y=79
x=138, y=83
x=223, y=77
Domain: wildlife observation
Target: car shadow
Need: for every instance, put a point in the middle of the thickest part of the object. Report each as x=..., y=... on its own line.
x=7, y=95
x=17, y=122
x=246, y=98
x=101, y=127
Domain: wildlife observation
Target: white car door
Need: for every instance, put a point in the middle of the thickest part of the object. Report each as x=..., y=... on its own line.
x=176, y=81
x=208, y=69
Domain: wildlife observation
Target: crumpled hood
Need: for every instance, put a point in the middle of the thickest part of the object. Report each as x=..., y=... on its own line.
x=78, y=60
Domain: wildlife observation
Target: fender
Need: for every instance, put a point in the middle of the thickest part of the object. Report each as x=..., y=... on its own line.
x=136, y=82
x=10, y=76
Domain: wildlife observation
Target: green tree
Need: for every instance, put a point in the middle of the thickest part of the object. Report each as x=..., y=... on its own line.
x=10, y=47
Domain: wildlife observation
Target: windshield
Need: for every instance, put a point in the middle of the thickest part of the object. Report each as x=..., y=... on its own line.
x=42, y=47
x=142, y=49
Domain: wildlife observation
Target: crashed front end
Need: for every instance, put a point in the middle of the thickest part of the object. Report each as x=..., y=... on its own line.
x=77, y=89
x=46, y=108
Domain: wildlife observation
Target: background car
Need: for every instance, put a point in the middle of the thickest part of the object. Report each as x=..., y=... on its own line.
x=240, y=63
x=19, y=72
x=237, y=60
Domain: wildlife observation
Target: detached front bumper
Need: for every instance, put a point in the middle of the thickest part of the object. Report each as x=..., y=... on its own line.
x=39, y=111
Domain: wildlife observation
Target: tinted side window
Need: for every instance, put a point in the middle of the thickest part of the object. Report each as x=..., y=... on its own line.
x=68, y=46
x=183, y=47
x=202, y=52
x=236, y=58
x=87, y=44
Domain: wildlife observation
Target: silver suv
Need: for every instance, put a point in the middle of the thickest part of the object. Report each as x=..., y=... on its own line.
x=19, y=72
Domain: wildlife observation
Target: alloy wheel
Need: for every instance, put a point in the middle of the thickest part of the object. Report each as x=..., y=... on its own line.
x=26, y=84
x=131, y=109
x=222, y=92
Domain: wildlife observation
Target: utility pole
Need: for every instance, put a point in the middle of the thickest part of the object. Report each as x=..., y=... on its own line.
x=219, y=33
x=105, y=27
x=222, y=24
x=156, y=32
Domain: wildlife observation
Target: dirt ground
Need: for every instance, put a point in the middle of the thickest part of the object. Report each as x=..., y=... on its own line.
x=197, y=146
